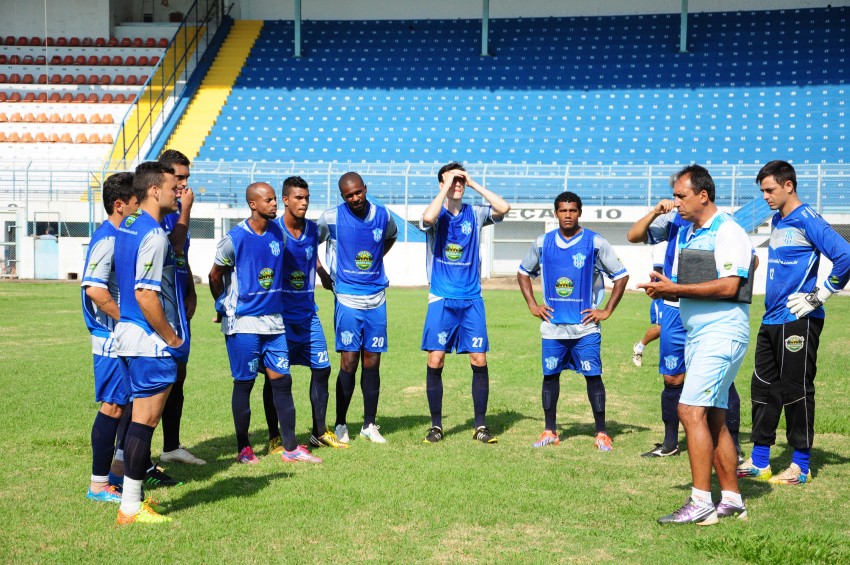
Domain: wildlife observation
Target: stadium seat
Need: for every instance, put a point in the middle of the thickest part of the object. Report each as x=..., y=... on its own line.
x=80, y=79
x=150, y=42
x=126, y=42
x=143, y=61
x=130, y=98
x=42, y=79
x=68, y=60
x=3, y=137
x=93, y=138
x=92, y=98
x=67, y=119
x=113, y=42
x=74, y=42
x=3, y=59
x=94, y=119
x=80, y=119
x=137, y=42
x=93, y=61
x=61, y=41
x=117, y=61
x=14, y=137
x=3, y=78
x=29, y=118
x=15, y=97
x=54, y=118
x=28, y=97
x=81, y=138
x=53, y=138
x=93, y=79
x=79, y=98
x=143, y=79
x=42, y=97
x=22, y=41
x=56, y=60
x=130, y=61
x=27, y=137
x=154, y=61
x=162, y=43
x=119, y=98
x=118, y=79
x=35, y=41
x=10, y=40
x=66, y=138
x=107, y=138
x=14, y=60
x=132, y=80
x=28, y=79
x=107, y=119
x=3, y=96
x=87, y=42
x=67, y=98
x=27, y=60
x=3, y=117
x=40, y=60
x=105, y=79
x=15, y=78
x=80, y=60
x=100, y=42
x=16, y=118
x=54, y=97
x=40, y=137
x=50, y=41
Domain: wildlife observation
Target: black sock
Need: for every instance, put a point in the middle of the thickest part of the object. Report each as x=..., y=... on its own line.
x=434, y=391
x=596, y=396
x=102, y=443
x=670, y=414
x=733, y=415
x=344, y=392
x=480, y=393
x=172, y=413
x=319, y=399
x=240, y=403
x=269, y=409
x=123, y=424
x=551, y=392
x=137, y=451
x=370, y=386
x=285, y=406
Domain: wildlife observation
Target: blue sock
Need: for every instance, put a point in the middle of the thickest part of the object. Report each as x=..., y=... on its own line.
x=480, y=393
x=670, y=415
x=801, y=458
x=550, y=394
x=761, y=455
x=434, y=391
x=285, y=408
x=370, y=386
x=240, y=404
x=596, y=396
x=102, y=443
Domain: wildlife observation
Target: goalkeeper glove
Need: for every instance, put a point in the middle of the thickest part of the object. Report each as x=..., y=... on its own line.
x=802, y=304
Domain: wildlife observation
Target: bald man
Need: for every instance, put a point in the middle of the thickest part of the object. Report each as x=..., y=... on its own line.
x=246, y=282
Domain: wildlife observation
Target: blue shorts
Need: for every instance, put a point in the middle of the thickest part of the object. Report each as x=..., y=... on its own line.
x=712, y=363
x=655, y=311
x=672, y=344
x=110, y=380
x=360, y=329
x=306, y=343
x=581, y=355
x=246, y=350
x=147, y=376
x=456, y=325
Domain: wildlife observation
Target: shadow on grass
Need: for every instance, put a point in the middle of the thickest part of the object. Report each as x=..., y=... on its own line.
x=818, y=457
x=231, y=487
x=614, y=429
x=497, y=422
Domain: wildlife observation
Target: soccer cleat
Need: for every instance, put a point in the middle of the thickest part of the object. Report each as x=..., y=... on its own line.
x=691, y=513
x=275, y=446
x=793, y=475
x=247, y=456
x=661, y=451
x=372, y=434
x=603, y=442
x=181, y=455
x=145, y=515
x=434, y=435
x=327, y=439
x=726, y=509
x=740, y=457
x=300, y=453
x=109, y=494
x=157, y=477
x=483, y=435
x=637, y=356
x=748, y=470
x=341, y=432
x=548, y=437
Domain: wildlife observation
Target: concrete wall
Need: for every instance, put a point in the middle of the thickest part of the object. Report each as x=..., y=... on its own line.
x=80, y=18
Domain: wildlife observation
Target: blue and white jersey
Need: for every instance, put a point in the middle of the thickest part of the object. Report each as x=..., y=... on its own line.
x=572, y=272
x=99, y=272
x=665, y=228
x=299, y=272
x=733, y=253
x=793, y=257
x=452, y=252
x=168, y=224
x=355, y=253
x=145, y=260
x=252, y=300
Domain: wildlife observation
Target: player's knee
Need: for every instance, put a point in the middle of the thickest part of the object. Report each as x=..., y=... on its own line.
x=478, y=359
x=674, y=380
x=111, y=409
x=371, y=360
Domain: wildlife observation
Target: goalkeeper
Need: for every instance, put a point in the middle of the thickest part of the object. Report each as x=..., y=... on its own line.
x=787, y=344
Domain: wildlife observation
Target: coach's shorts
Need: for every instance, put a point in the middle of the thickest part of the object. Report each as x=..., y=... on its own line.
x=712, y=364
x=672, y=344
x=148, y=376
x=246, y=350
x=360, y=329
x=655, y=311
x=306, y=343
x=581, y=355
x=456, y=325
x=110, y=380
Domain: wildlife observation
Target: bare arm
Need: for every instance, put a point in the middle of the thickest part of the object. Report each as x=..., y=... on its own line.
x=640, y=229
x=388, y=244
x=191, y=296
x=324, y=276
x=497, y=203
x=432, y=212
x=662, y=287
x=104, y=302
x=180, y=231
x=217, y=280
x=594, y=315
x=151, y=308
x=543, y=312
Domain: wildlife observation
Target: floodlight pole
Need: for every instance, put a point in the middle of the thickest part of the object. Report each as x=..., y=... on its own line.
x=297, y=22
x=683, y=31
x=485, y=28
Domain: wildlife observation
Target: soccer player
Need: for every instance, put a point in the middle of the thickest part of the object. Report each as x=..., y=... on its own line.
x=305, y=337
x=358, y=234
x=455, y=318
x=100, y=311
x=571, y=259
x=652, y=333
x=718, y=332
x=246, y=280
x=787, y=342
x=151, y=335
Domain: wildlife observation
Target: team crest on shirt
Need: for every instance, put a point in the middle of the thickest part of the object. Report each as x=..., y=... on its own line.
x=275, y=247
x=453, y=251
x=363, y=260
x=551, y=363
x=346, y=337
x=309, y=252
x=466, y=227
x=442, y=337
x=253, y=366
x=794, y=343
x=564, y=286
x=671, y=361
x=578, y=260
x=377, y=233
x=266, y=277
x=297, y=279
x=789, y=237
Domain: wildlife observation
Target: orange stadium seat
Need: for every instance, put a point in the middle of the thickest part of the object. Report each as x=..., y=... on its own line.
x=15, y=118
x=54, y=118
x=105, y=79
x=3, y=96
x=3, y=117
x=42, y=97
x=29, y=97
x=93, y=138
x=66, y=138
x=92, y=98
x=54, y=97
x=79, y=98
x=67, y=98
x=80, y=79
x=27, y=137
x=95, y=119
x=119, y=79
x=117, y=61
x=14, y=137
x=54, y=138
x=163, y=42
x=107, y=138
x=107, y=98
x=28, y=79
x=74, y=42
x=42, y=79
x=80, y=119
x=143, y=61
x=107, y=119
x=40, y=137
x=29, y=118
x=119, y=98
x=81, y=138
x=2, y=136
x=131, y=98
x=67, y=119
x=143, y=79
x=15, y=97
x=41, y=118
x=93, y=79
x=132, y=80
x=56, y=78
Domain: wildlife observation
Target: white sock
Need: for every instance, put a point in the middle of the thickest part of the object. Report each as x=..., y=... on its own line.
x=733, y=497
x=131, y=499
x=104, y=480
x=701, y=497
x=119, y=455
x=639, y=347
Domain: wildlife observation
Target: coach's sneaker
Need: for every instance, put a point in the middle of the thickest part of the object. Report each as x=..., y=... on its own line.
x=371, y=433
x=548, y=437
x=434, y=435
x=275, y=446
x=110, y=494
x=327, y=439
x=603, y=442
x=727, y=509
x=692, y=513
x=748, y=470
x=341, y=432
x=145, y=515
x=637, y=355
x=661, y=450
x=300, y=453
x=793, y=475
x=247, y=456
x=483, y=435
x=157, y=477
x=181, y=455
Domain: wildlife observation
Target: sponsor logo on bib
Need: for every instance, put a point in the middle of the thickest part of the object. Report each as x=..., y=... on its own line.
x=564, y=286
x=363, y=260
x=453, y=251
x=266, y=277
x=297, y=280
x=794, y=343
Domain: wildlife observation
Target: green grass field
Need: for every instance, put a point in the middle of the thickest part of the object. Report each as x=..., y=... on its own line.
x=455, y=502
